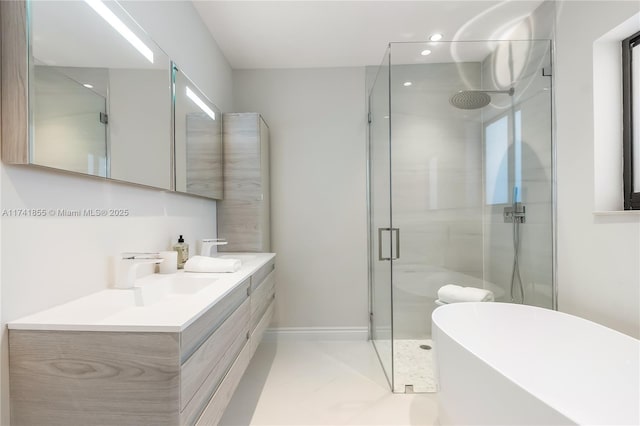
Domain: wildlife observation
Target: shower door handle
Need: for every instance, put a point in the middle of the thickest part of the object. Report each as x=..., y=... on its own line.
x=380, y=230
x=397, y=240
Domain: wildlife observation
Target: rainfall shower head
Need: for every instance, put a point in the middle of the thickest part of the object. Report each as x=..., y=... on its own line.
x=474, y=99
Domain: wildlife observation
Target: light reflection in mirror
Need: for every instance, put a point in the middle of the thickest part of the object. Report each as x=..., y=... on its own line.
x=200, y=104
x=120, y=27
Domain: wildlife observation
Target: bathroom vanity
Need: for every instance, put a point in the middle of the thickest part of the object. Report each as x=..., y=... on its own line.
x=139, y=357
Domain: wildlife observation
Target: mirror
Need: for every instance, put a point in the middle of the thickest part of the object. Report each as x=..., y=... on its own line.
x=100, y=94
x=198, y=140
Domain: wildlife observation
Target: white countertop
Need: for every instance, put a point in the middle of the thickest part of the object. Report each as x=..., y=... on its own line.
x=116, y=310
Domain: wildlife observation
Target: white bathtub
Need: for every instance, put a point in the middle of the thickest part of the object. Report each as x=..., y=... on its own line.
x=500, y=363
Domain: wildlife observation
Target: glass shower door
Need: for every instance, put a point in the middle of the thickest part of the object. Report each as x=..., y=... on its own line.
x=461, y=161
x=471, y=149
x=380, y=234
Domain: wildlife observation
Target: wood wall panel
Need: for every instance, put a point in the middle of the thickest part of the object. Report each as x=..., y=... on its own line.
x=14, y=76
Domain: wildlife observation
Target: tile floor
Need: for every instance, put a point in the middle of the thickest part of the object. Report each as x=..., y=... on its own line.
x=302, y=382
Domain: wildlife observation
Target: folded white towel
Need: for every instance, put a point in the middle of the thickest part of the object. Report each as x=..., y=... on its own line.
x=452, y=293
x=211, y=264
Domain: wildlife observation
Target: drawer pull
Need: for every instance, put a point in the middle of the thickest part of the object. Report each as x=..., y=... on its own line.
x=248, y=334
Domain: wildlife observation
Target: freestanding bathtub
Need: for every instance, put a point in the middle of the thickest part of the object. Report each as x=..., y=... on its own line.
x=507, y=364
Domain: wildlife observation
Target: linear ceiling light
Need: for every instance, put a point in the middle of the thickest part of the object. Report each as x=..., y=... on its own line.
x=201, y=104
x=120, y=27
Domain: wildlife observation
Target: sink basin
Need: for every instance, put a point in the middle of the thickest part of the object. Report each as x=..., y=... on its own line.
x=156, y=287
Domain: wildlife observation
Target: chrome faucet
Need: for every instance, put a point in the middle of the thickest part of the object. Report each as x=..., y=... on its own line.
x=208, y=243
x=127, y=267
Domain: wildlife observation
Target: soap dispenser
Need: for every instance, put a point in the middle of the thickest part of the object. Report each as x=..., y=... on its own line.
x=183, y=252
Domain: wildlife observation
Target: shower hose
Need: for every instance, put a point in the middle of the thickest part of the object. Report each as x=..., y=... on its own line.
x=515, y=272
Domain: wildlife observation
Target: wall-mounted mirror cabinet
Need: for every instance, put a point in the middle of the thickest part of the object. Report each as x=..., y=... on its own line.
x=198, y=140
x=86, y=90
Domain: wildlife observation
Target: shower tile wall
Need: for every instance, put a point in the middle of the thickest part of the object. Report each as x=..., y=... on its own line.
x=532, y=99
x=436, y=189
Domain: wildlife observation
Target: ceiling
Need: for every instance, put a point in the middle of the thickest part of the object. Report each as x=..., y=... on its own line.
x=316, y=34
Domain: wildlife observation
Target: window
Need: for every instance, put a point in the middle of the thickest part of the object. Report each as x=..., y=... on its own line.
x=631, y=120
x=496, y=155
x=503, y=147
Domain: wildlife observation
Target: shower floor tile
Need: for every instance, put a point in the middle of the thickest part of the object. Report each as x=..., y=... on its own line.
x=414, y=365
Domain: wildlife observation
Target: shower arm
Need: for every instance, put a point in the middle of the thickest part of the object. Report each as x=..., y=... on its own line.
x=509, y=92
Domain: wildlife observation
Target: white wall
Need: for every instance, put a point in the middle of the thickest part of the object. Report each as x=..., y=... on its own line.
x=51, y=260
x=317, y=123
x=598, y=256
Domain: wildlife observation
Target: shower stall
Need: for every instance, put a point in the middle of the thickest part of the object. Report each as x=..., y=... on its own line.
x=461, y=172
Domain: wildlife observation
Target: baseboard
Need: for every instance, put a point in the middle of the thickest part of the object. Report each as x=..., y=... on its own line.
x=317, y=333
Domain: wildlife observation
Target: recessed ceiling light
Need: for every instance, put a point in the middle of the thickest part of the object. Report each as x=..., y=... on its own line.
x=425, y=52
x=88, y=86
x=407, y=83
x=436, y=37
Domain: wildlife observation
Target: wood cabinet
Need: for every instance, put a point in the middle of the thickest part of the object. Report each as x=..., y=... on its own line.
x=141, y=378
x=15, y=66
x=243, y=214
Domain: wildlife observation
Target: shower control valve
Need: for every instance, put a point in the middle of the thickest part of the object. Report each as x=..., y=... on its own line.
x=514, y=213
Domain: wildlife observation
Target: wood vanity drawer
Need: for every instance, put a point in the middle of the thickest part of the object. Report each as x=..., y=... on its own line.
x=261, y=298
x=214, y=381
x=258, y=277
x=62, y=378
x=207, y=364
x=263, y=324
x=203, y=327
x=214, y=410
